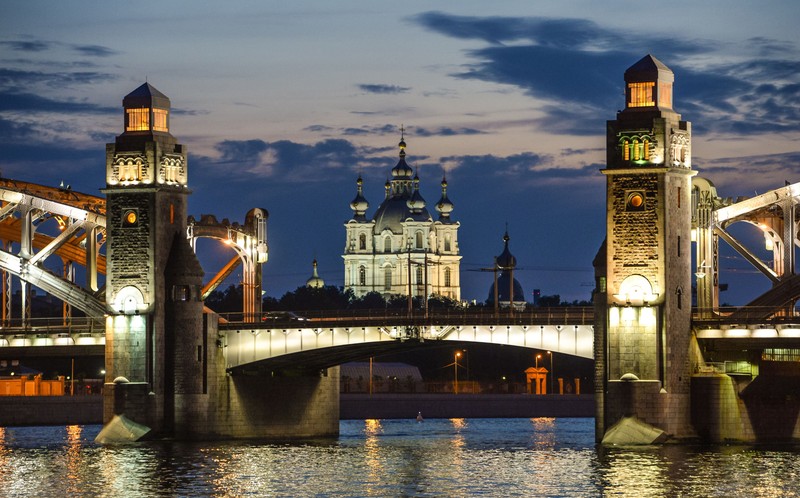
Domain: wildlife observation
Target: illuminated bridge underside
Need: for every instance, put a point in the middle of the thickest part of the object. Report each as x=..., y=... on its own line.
x=748, y=336
x=315, y=348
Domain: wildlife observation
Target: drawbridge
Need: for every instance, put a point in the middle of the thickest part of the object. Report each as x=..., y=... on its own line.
x=774, y=215
x=48, y=233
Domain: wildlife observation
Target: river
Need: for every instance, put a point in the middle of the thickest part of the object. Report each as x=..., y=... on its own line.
x=455, y=457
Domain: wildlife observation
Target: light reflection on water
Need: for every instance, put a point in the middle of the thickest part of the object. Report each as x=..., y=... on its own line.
x=456, y=457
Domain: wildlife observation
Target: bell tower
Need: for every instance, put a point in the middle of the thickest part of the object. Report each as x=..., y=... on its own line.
x=643, y=297
x=146, y=208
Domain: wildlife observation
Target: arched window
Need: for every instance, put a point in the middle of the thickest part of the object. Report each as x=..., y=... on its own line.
x=626, y=150
x=447, y=238
x=636, y=150
x=362, y=241
x=419, y=240
x=387, y=278
x=387, y=244
x=447, y=277
x=646, y=146
x=419, y=275
x=362, y=275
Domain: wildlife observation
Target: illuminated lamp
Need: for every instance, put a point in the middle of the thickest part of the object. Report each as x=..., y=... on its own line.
x=130, y=218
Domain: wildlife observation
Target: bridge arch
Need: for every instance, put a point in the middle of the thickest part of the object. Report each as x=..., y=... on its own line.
x=319, y=346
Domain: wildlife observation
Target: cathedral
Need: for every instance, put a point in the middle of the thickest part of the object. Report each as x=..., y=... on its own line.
x=400, y=249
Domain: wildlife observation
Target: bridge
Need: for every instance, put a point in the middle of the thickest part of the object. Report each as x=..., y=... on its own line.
x=188, y=373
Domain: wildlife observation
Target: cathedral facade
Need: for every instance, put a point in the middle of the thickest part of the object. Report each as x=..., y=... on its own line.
x=401, y=250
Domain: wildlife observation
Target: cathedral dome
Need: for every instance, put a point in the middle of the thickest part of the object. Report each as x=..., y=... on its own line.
x=403, y=201
x=315, y=281
x=506, y=260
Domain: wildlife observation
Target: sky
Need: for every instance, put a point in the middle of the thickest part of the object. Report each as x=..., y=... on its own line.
x=283, y=104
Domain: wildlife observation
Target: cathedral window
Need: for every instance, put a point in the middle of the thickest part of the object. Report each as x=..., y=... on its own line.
x=387, y=244
x=362, y=242
x=641, y=94
x=447, y=238
x=387, y=278
x=138, y=119
x=362, y=275
x=419, y=240
x=447, y=277
x=419, y=275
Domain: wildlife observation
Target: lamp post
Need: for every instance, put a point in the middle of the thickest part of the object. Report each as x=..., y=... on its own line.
x=538, y=357
x=552, y=374
x=455, y=371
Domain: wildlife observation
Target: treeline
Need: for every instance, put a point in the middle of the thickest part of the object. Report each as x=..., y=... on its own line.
x=331, y=297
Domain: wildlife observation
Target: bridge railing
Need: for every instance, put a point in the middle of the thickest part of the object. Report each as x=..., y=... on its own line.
x=51, y=325
x=745, y=315
x=583, y=315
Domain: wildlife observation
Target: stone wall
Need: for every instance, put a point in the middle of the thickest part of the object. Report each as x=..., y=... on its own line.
x=50, y=410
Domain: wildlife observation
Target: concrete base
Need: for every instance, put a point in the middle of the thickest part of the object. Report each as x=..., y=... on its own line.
x=645, y=400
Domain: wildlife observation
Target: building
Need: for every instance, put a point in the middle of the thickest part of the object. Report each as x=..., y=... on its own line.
x=315, y=281
x=506, y=289
x=401, y=250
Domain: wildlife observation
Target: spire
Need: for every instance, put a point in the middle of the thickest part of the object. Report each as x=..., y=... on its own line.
x=506, y=260
x=359, y=205
x=444, y=206
x=315, y=282
x=402, y=171
x=416, y=203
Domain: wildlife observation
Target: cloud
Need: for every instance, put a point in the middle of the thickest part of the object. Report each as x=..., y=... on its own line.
x=27, y=46
x=574, y=67
x=95, y=50
x=28, y=102
x=444, y=131
x=383, y=89
x=15, y=79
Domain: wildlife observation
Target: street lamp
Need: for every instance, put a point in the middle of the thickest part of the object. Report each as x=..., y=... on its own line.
x=455, y=371
x=538, y=357
x=552, y=374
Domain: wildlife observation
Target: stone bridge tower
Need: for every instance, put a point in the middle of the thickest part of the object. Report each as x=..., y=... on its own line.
x=153, y=278
x=643, y=296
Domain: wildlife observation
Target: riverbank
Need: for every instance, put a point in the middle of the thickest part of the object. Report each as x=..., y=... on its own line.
x=394, y=406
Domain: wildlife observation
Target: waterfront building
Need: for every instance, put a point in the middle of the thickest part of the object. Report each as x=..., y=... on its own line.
x=401, y=249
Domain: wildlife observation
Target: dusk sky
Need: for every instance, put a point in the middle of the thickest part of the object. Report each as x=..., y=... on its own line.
x=283, y=104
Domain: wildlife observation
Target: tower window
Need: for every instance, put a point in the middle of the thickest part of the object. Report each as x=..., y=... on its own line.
x=362, y=275
x=646, y=149
x=636, y=150
x=387, y=244
x=447, y=277
x=626, y=150
x=419, y=240
x=138, y=119
x=362, y=242
x=665, y=94
x=160, y=119
x=447, y=238
x=641, y=94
